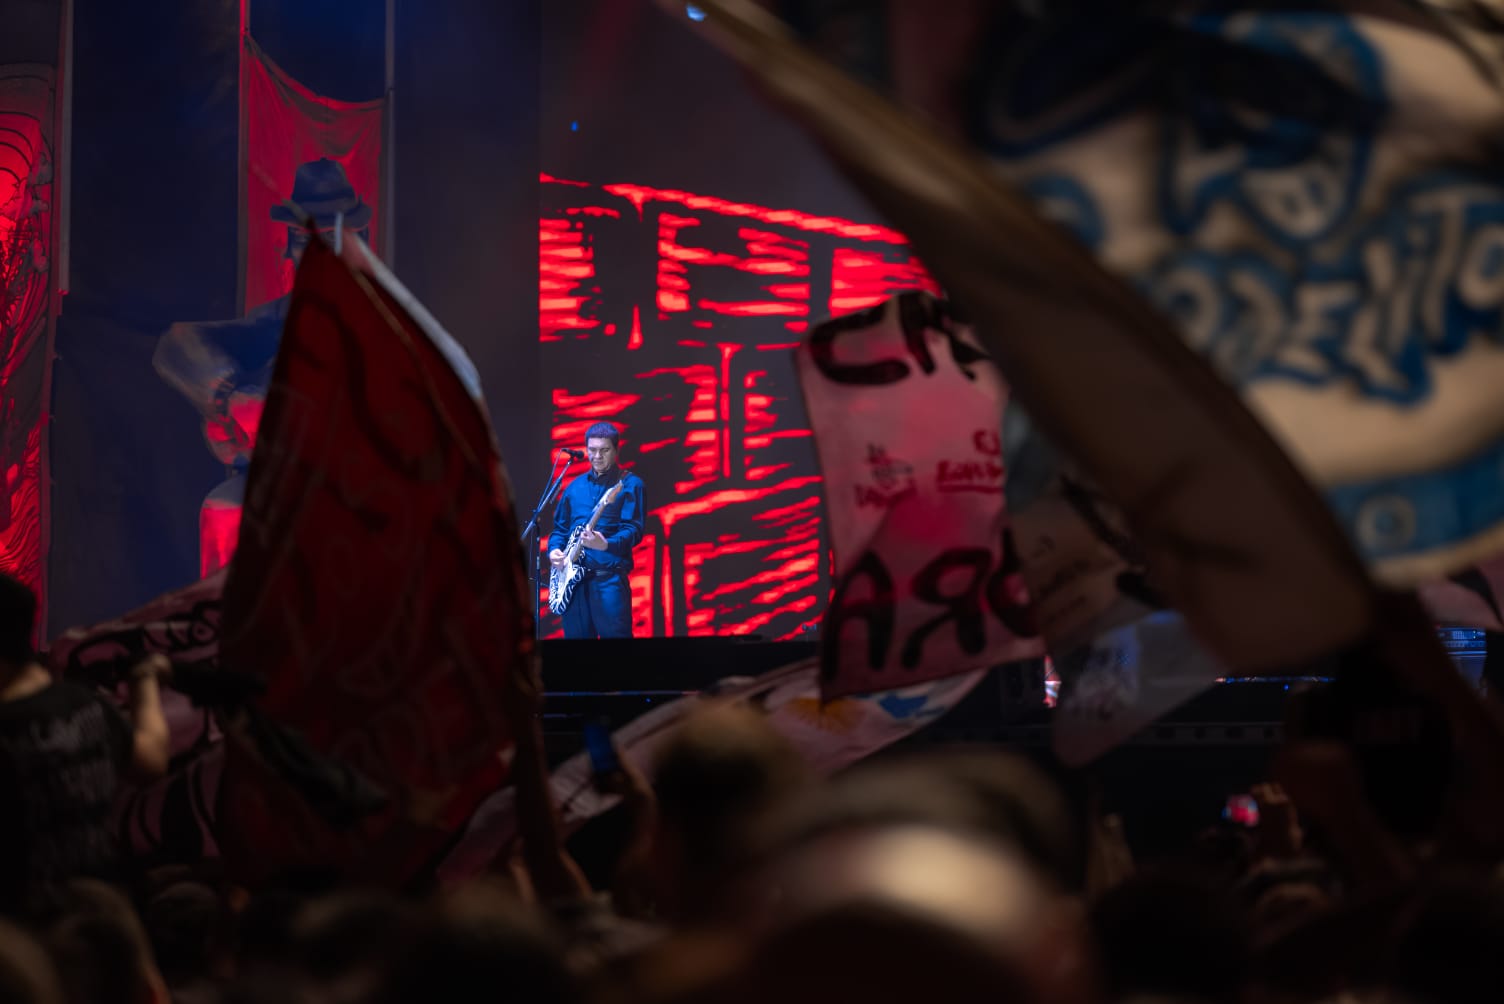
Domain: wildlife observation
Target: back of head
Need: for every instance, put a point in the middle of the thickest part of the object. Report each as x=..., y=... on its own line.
x=877, y=952
x=18, y=616
x=1448, y=947
x=1177, y=933
x=350, y=936
x=722, y=768
x=98, y=945
x=26, y=974
x=188, y=924
x=476, y=943
x=906, y=912
x=997, y=796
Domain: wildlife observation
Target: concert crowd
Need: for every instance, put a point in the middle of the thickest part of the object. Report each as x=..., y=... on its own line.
x=737, y=875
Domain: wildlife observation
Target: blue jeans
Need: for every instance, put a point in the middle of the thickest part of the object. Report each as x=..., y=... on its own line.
x=600, y=608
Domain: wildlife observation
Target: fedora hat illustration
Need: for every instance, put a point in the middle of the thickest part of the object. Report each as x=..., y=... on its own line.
x=321, y=189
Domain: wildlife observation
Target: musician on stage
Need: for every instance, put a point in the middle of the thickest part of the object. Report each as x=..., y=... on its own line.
x=601, y=604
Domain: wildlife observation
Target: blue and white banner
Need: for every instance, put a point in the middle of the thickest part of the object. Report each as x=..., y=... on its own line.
x=1313, y=195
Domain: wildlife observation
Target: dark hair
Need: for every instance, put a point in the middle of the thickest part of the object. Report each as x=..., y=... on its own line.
x=188, y=926
x=604, y=430
x=18, y=618
x=97, y=943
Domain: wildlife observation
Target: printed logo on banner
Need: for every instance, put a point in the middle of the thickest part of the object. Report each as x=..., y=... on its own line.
x=1066, y=201
x=1423, y=282
x=1056, y=84
x=928, y=584
x=892, y=480
x=1281, y=123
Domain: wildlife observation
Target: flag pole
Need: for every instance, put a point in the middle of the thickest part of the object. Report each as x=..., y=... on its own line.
x=243, y=162
x=388, y=225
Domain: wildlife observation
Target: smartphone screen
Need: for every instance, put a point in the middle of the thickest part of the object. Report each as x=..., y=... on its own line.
x=1242, y=810
x=602, y=751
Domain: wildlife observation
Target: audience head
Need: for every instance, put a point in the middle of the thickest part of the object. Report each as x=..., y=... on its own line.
x=474, y=942
x=900, y=911
x=18, y=618
x=722, y=770
x=189, y=925
x=27, y=975
x=1174, y=933
x=99, y=946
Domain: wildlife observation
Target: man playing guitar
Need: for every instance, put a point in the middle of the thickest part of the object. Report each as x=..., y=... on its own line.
x=600, y=605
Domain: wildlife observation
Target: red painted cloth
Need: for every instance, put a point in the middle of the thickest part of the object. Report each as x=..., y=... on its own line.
x=28, y=310
x=288, y=125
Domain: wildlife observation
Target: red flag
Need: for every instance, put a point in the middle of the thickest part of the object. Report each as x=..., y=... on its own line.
x=907, y=411
x=378, y=584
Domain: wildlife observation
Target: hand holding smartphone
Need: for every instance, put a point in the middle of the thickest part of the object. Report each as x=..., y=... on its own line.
x=1242, y=810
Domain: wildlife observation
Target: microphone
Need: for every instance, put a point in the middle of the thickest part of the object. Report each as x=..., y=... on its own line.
x=576, y=454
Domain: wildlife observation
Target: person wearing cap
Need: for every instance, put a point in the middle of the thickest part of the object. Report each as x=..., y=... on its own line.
x=224, y=367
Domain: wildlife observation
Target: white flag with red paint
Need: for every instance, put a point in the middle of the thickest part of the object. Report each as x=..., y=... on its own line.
x=907, y=411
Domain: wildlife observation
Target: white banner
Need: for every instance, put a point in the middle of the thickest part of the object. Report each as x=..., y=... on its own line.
x=907, y=414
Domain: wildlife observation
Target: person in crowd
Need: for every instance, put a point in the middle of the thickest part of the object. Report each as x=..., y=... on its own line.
x=100, y=948
x=64, y=750
x=27, y=975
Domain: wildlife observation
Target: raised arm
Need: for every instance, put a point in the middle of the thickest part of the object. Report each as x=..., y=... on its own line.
x=150, y=746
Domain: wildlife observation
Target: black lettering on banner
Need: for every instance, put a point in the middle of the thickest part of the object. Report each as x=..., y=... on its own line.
x=987, y=590
x=917, y=314
x=876, y=611
x=1018, y=618
x=822, y=349
x=964, y=606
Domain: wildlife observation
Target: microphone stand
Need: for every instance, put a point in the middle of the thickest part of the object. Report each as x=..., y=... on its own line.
x=531, y=534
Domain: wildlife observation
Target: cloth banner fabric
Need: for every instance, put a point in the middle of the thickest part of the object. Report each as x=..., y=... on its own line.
x=1123, y=680
x=888, y=425
x=1233, y=530
x=29, y=190
x=378, y=586
x=286, y=126
x=1312, y=194
x=906, y=411
x=828, y=734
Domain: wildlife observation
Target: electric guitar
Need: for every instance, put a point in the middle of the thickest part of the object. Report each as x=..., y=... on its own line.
x=563, y=578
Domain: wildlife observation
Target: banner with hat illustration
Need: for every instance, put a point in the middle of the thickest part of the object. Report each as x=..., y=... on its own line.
x=327, y=156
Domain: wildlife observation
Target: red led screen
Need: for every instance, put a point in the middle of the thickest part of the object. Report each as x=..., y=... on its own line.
x=674, y=316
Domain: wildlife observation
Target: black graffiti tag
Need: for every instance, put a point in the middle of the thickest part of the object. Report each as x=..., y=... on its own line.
x=987, y=590
x=917, y=314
